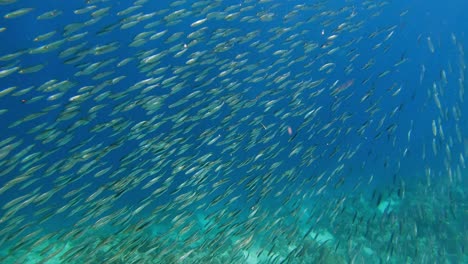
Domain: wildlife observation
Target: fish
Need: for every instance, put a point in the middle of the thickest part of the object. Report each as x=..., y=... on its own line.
x=18, y=12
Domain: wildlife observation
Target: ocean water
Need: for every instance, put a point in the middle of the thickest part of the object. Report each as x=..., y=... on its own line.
x=233, y=131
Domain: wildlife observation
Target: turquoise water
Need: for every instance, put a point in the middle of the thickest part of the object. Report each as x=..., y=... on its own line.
x=233, y=132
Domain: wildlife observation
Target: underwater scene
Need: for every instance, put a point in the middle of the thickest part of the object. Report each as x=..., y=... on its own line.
x=233, y=131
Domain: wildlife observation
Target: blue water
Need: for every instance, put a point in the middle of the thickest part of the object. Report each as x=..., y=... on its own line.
x=349, y=171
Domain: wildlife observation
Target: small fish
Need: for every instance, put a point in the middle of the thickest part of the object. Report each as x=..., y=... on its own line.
x=18, y=12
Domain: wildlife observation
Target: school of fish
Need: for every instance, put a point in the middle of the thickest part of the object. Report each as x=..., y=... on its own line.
x=249, y=131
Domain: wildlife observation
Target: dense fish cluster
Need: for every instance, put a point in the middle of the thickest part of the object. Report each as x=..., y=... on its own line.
x=251, y=131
